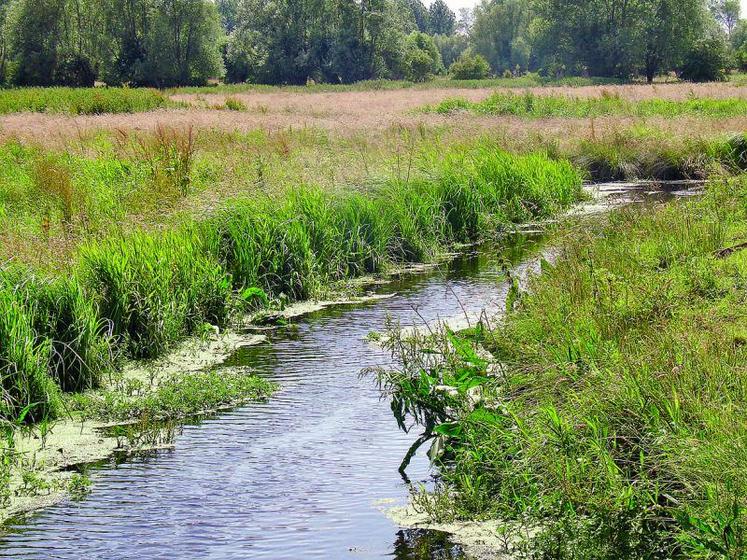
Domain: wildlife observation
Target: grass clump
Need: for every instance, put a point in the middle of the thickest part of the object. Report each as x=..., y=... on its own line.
x=28, y=392
x=155, y=289
x=645, y=154
x=80, y=101
x=136, y=295
x=530, y=105
x=609, y=412
x=176, y=397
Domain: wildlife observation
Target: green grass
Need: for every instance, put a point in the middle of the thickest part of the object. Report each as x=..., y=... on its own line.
x=80, y=101
x=615, y=420
x=175, y=398
x=135, y=295
x=528, y=80
x=529, y=105
x=643, y=153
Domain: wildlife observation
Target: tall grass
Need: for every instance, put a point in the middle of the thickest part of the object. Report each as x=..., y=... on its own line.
x=530, y=105
x=27, y=389
x=136, y=295
x=80, y=101
x=610, y=409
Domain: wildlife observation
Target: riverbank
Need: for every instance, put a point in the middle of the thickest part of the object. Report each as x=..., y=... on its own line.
x=136, y=297
x=607, y=408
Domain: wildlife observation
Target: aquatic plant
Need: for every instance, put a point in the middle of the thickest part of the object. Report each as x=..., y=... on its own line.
x=607, y=408
x=135, y=295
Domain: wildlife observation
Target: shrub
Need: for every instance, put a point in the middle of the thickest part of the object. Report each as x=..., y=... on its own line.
x=469, y=66
x=707, y=61
x=423, y=60
x=74, y=71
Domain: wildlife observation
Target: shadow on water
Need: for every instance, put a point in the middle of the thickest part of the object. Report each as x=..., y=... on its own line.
x=304, y=475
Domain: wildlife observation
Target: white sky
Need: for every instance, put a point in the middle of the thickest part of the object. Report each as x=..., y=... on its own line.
x=456, y=4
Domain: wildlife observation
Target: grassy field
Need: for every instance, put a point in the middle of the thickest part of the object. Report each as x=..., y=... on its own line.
x=609, y=413
x=125, y=230
x=608, y=103
x=80, y=101
x=99, y=101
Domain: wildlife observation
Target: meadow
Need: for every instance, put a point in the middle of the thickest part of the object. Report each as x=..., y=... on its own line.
x=607, y=103
x=132, y=220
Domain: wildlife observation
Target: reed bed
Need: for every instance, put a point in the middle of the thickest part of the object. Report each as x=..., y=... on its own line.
x=134, y=296
x=606, y=418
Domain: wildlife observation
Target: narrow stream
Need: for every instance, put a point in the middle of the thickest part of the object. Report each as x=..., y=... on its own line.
x=303, y=476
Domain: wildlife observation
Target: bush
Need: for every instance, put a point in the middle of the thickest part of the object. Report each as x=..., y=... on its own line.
x=707, y=61
x=469, y=66
x=423, y=60
x=74, y=71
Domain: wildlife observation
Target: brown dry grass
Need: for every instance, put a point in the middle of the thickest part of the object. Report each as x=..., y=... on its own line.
x=345, y=113
x=334, y=140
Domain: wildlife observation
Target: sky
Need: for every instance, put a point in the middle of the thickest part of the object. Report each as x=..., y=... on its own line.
x=456, y=4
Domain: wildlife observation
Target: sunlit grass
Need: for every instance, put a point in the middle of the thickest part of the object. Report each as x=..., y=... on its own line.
x=610, y=410
x=530, y=105
x=80, y=101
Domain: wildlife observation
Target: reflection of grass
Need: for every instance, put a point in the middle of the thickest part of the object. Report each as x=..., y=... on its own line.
x=611, y=408
x=530, y=105
x=80, y=101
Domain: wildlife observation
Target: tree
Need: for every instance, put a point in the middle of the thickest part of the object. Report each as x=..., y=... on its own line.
x=469, y=66
x=727, y=13
x=420, y=14
x=617, y=38
x=423, y=59
x=34, y=40
x=442, y=19
x=162, y=42
x=228, y=10
x=465, y=21
x=182, y=46
x=499, y=33
x=669, y=28
x=707, y=60
x=450, y=47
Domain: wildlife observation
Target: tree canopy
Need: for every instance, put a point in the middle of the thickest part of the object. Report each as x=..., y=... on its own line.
x=165, y=43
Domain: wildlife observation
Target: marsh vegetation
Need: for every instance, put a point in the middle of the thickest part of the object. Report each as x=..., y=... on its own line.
x=602, y=411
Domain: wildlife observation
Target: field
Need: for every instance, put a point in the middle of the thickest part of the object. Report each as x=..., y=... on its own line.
x=132, y=220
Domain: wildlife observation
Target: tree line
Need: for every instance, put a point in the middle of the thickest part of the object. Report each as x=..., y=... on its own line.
x=163, y=43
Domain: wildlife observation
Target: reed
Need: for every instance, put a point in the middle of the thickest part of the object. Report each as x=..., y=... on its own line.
x=135, y=295
x=607, y=410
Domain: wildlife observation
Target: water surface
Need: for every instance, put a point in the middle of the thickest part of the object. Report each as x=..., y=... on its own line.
x=302, y=476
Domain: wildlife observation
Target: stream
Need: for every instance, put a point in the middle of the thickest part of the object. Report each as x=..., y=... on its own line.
x=306, y=475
